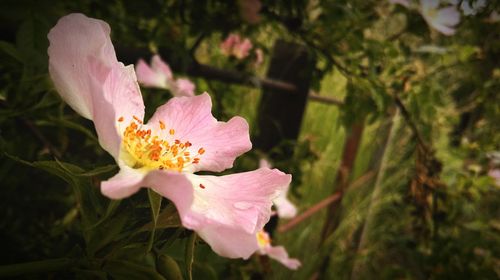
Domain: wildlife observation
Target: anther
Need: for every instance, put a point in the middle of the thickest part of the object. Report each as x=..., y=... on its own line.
x=120, y=119
x=137, y=119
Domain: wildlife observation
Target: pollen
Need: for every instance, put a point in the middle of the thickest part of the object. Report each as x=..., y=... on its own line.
x=202, y=186
x=120, y=119
x=137, y=119
x=150, y=150
x=263, y=239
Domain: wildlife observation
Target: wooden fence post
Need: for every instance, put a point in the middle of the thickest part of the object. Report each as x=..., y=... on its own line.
x=280, y=112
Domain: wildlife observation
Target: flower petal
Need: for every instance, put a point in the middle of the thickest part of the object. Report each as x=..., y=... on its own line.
x=116, y=101
x=73, y=39
x=192, y=120
x=159, y=66
x=241, y=200
x=127, y=182
x=148, y=77
x=229, y=242
x=448, y=16
x=226, y=211
x=242, y=50
x=280, y=254
x=285, y=207
x=183, y=87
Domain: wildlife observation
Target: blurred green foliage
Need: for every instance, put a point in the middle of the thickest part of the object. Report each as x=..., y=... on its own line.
x=415, y=219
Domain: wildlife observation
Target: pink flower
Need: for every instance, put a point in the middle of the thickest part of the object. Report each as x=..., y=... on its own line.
x=182, y=137
x=242, y=50
x=159, y=75
x=443, y=20
x=249, y=10
x=228, y=45
x=495, y=175
x=284, y=207
x=440, y=19
x=234, y=46
x=278, y=253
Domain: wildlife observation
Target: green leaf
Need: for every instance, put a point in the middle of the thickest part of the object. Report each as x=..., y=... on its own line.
x=170, y=240
x=168, y=218
x=168, y=267
x=105, y=233
x=189, y=255
x=69, y=124
x=119, y=269
x=155, y=203
x=204, y=271
x=35, y=267
x=11, y=50
x=88, y=197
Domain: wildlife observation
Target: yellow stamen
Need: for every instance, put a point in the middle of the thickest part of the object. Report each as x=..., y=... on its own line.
x=143, y=150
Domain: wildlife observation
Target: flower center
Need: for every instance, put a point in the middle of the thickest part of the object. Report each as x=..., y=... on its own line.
x=146, y=151
x=263, y=239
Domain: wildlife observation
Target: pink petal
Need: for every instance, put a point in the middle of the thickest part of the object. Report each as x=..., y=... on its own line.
x=243, y=50
x=183, y=87
x=148, y=77
x=192, y=120
x=280, y=254
x=285, y=207
x=443, y=20
x=73, y=39
x=226, y=211
x=448, y=16
x=241, y=200
x=495, y=174
x=159, y=66
x=116, y=101
x=229, y=43
x=229, y=242
x=127, y=182
x=264, y=163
